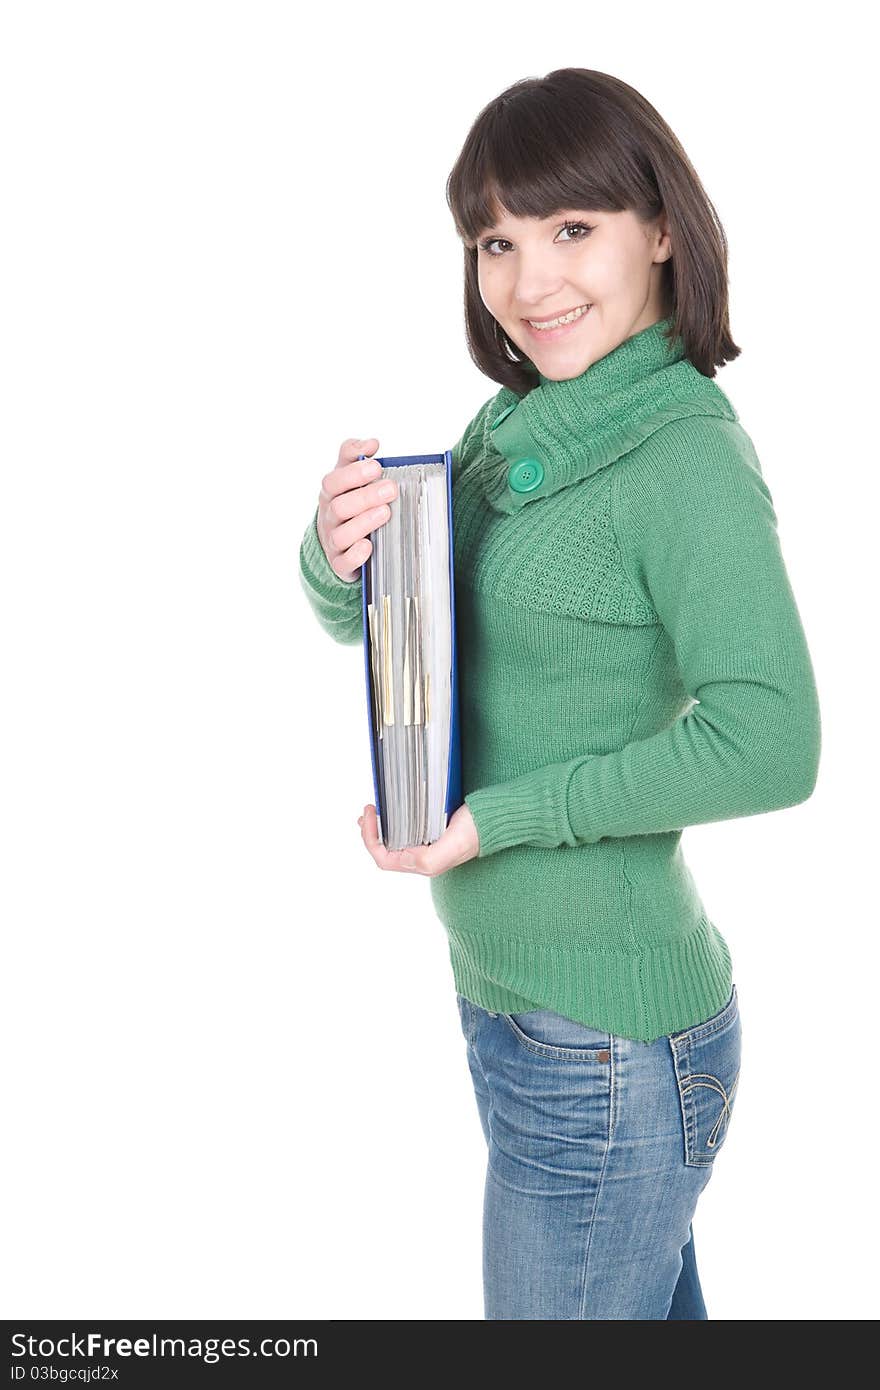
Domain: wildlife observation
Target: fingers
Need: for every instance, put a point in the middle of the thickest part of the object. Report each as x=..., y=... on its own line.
x=350, y=448
x=349, y=539
x=373, y=500
x=350, y=470
x=399, y=860
x=355, y=499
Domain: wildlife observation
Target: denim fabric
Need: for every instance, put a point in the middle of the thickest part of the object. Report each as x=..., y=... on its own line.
x=598, y=1149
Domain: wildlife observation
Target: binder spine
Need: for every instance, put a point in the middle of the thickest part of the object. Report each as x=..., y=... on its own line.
x=453, y=777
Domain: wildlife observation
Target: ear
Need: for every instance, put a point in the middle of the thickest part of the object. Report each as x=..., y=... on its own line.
x=664, y=239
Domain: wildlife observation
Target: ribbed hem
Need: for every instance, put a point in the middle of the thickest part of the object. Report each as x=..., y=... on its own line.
x=641, y=996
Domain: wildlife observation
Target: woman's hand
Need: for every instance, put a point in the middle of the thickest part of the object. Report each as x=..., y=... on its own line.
x=353, y=501
x=458, y=843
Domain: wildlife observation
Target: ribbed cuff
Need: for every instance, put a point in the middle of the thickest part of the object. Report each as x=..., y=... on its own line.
x=529, y=810
x=317, y=569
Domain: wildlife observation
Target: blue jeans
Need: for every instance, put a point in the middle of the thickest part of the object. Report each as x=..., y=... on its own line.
x=599, y=1147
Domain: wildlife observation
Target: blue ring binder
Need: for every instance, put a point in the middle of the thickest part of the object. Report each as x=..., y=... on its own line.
x=453, y=771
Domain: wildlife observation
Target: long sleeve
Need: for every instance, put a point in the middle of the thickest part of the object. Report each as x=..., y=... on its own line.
x=338, y=603
x=697, y=531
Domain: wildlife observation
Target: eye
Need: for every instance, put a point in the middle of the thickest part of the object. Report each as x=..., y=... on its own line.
x=566, y=227
x=578, y=226
x=485, y=245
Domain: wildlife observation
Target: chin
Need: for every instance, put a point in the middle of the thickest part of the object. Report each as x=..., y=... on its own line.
x=563, y=371
x=564, y=376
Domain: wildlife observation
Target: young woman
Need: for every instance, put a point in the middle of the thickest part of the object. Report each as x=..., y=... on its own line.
x=631, y=662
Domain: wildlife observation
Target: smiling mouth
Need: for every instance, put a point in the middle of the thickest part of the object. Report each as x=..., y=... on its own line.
x=550, y=330
x=578, y=310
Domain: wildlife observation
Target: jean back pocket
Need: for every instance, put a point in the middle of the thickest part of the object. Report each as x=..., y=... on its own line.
x=707, y=1064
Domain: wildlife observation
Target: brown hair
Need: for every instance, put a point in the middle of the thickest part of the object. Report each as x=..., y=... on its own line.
x=578, y=138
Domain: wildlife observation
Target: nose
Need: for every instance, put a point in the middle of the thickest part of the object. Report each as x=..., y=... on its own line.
x=535, y=289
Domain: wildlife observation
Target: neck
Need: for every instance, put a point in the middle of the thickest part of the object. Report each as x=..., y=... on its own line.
x=560, y=432
x=627, y=360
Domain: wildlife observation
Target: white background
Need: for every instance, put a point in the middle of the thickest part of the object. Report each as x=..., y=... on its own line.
x=233, y=1081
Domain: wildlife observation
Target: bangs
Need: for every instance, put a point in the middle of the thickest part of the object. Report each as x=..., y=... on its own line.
x=533, y=157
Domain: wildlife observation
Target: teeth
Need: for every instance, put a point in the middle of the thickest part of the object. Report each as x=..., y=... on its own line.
x=567, y=318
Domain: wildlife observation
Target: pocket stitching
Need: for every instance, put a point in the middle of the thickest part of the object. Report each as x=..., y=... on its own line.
x=573, y=1054
x=685, y=1105
x=694, y=1080
x=688, y=1082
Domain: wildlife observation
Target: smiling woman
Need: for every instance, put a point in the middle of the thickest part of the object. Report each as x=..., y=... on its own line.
x=631, y=662
x=570, y=190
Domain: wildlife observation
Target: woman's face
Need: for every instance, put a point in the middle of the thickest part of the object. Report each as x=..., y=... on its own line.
x=533, y=268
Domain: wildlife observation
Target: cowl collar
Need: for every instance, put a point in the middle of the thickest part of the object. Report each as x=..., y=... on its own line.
x=562, y=431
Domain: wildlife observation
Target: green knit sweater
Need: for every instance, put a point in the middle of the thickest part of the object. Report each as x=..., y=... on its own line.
x=631, y=661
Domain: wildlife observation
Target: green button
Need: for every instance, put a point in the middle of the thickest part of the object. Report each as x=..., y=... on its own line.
x=503, y=416
x=525, y=475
